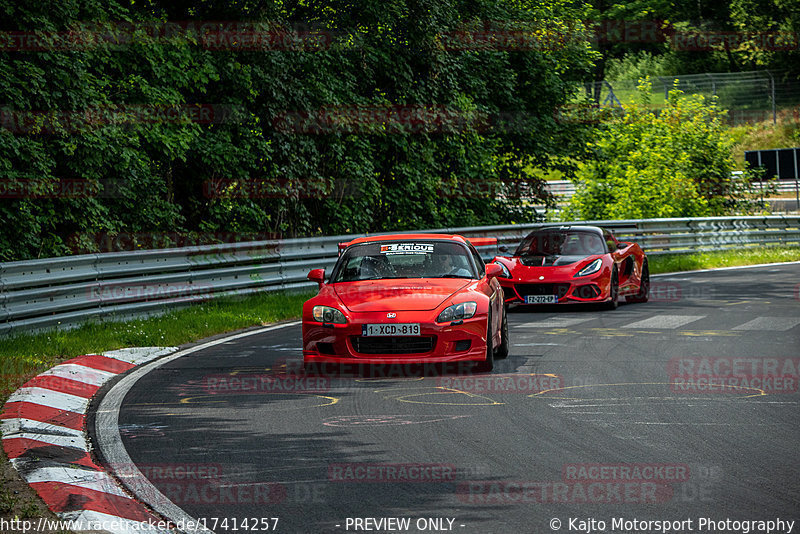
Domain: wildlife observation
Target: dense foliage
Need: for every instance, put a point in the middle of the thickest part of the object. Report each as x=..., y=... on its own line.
x=352, y=116
x=675, y=162
x=695, y=36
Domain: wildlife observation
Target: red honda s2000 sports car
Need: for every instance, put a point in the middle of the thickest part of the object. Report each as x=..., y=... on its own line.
x=574, y=264
x=413, y=298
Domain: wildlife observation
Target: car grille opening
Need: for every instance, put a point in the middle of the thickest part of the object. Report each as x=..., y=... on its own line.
x=590, y=291
x=542, y=289
x=393, y=344
x=326, y=348
x=462, y=344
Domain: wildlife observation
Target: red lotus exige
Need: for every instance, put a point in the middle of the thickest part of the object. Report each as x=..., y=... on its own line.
x=411, y=298
x=574, y=264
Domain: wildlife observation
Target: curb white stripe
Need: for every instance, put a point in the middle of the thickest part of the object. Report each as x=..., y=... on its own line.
x=82, y=478
x=139, y=355
x=92, y=518
x=51, y=399
x=69, y=442
x=20, y=425
x=80, y=373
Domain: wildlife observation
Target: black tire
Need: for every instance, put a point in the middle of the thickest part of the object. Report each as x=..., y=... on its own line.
x=502, y=351
x=614, y=302
x=488, y=364
x=644, y=287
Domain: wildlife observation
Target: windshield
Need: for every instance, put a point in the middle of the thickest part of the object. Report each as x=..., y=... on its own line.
x=561, y=243
x=404, y=259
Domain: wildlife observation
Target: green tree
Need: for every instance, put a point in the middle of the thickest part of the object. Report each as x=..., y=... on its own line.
x=673, y=163
x=318, y=178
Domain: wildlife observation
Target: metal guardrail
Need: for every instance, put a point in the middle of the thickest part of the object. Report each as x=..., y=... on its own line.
x=68, y=291
x=564, y=189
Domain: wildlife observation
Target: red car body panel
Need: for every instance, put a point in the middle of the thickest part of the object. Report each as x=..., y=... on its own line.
x=379, y=296
x=560, y=280
x=403, y=301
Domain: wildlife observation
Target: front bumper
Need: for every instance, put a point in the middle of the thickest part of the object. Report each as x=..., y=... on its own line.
x=437, y=343
x=587, y=289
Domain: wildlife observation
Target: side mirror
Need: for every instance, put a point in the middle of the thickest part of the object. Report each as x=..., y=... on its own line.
x=317, y=275
x=493, y=270
x=622, y=245
x=503, y=249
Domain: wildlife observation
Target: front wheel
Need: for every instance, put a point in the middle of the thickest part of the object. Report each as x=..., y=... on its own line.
x=502, y=350
x=488, y=364
x=614, y=302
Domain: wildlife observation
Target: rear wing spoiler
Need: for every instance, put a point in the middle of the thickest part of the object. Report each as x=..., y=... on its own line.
x=482, y=241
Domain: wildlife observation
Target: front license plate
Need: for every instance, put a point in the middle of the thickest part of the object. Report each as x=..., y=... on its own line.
x=541, y=299
x=393, y=329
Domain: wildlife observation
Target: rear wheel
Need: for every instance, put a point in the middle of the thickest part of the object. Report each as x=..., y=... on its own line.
x=502, y=350
x=488, y=364
x=644, y=286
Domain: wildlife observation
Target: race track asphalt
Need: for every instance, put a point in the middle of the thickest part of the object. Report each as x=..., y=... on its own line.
x=595, y=415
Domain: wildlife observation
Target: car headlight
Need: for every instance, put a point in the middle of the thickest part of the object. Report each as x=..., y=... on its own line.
x=457, y=312
x=591, y=268
x=506, y=272
x=326, y=314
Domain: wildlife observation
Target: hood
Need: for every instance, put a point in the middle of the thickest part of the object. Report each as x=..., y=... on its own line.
x=397, y=295
x=549, y=261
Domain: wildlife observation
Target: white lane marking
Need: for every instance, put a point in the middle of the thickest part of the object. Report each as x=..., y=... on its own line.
x=110, y=440
x=139, y=355
x=665, y=321
x=777, y=324
x=555, y=322
x=604, y=422
x=92, y=518
x=52, y=399
x=10, y=427
x=536, y=344
x=82, y=478
x=80, y=373
x=725, y=269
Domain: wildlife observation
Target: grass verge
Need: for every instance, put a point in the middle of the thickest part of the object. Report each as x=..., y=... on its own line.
x=24, y=356
x=671, y=263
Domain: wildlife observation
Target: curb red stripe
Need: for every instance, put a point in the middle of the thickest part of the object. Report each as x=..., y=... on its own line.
x=59, y=397
x=80, y=373
x=63, y=385
x=20, y=447
x=61, y=497
x=102, y=363
x=45, y=414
